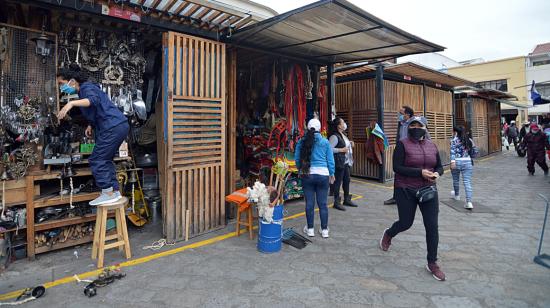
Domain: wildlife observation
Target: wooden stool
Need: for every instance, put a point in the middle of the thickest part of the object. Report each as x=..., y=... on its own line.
x=100, y=231
x=241, y=201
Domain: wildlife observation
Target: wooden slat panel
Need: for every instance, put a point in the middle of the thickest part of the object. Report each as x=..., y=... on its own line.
x=196, y=53
x=197, y=140
x=193, y=142
x=388, y=170
x=178, y=163
x=185, y=67
x=184, y=199
x=179, y=204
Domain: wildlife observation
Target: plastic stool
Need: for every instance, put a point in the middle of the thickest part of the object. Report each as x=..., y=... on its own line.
x=241, y=202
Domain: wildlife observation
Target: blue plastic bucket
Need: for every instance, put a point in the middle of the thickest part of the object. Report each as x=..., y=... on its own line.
x=278, y=212
x=270, y=236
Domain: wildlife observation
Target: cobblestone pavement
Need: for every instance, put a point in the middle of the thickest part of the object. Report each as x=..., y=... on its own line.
x=487, y=259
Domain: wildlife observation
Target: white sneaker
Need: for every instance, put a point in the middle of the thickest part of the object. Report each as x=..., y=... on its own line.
x=468, y=206
x=309, y=232
x=324, y=233
x=454, y=196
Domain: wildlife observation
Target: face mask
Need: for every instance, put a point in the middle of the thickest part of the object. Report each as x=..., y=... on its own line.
x=345, y=126
x=417, y=133
x=66, y=88
x=401, y=117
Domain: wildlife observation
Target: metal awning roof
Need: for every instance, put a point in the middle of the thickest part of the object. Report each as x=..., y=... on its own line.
x=500, y=96
x=411, y=69
x=331, y=31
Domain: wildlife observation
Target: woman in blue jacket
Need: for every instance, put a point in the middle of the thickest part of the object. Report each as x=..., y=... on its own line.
x=315, y=161
x=110, y=125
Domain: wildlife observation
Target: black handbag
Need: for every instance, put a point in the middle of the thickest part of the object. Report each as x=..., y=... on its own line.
x=426, y=194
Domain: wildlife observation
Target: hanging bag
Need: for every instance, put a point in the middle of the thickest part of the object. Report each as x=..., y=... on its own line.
x=426, y=194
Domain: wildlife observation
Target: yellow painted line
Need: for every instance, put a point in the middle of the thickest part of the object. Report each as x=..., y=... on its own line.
x=146, y=259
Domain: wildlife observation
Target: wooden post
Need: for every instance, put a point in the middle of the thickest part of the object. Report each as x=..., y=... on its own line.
x=380, y=105
x=29, y=189
x=453, y=108
x=424, y=96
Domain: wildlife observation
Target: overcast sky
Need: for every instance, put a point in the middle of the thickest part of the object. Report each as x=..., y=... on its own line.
x=489, y=29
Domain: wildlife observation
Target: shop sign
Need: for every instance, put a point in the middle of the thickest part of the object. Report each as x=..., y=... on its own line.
x=409, y=78
x=120, y=13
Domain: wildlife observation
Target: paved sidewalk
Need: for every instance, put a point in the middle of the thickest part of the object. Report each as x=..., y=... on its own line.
x=487, y=259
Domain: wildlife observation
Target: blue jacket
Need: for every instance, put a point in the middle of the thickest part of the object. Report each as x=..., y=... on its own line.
x=321, y=155
x=102, y=113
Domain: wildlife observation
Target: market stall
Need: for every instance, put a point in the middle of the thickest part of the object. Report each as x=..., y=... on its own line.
x=216, y=98
x=366, y=95
x=478, y=109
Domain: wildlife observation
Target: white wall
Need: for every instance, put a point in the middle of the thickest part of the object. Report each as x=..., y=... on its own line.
x=432, y=60
x=539, y=73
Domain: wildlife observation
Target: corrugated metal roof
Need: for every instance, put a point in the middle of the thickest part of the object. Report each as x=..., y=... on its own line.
x=331, y=31
x=486, y=93
x=428, y=74
x=200, y=13
x=409, y=69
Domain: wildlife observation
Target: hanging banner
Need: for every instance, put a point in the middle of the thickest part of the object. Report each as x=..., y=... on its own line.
x=120, y=13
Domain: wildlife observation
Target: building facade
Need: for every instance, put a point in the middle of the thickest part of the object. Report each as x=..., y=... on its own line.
x=507, y=75
x=538, y=70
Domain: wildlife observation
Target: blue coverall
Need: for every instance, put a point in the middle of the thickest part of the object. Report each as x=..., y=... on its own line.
x=111, y=128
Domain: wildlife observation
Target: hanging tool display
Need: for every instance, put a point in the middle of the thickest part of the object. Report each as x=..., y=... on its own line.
x=116, y=61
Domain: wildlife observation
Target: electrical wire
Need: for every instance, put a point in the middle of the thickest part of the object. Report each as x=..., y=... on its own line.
x=157, y=245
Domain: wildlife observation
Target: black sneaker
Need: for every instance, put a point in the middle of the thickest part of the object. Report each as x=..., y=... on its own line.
x=390, y=201
x=348, y=202
x=338, y=205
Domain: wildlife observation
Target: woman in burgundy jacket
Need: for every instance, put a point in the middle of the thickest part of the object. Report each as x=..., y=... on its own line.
x=417, y=167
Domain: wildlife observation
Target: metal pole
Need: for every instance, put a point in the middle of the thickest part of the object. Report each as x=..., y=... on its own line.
x=331, y=90
x=453, y=108
x=544, y=223
x=380, y=103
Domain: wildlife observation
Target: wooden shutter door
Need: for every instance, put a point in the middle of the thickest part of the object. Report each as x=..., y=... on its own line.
x=194, y=135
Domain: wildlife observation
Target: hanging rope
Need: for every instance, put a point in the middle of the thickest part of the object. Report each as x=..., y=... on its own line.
x=300, y=101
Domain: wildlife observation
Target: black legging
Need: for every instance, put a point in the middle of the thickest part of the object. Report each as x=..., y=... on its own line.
x=342, y=178
x=406, y=207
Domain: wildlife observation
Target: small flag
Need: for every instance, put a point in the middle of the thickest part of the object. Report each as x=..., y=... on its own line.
x=536, y=97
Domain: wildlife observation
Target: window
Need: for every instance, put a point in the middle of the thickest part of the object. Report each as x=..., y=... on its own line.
x=500, y=85
x=543, y=89
x=538, y=63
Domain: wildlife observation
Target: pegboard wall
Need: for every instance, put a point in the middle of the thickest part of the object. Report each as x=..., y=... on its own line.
x=23, y=72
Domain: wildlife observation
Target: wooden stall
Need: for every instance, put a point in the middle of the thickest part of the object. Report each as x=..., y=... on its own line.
x=427, y=91
x=478, y=110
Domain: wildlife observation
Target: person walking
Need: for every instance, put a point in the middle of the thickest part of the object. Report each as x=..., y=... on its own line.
x=403, y=117
x=417, y=166
x=342, y=148
x=315, y=162
x=110, y=125
x=537, y=144
x=461, y=163
x=523, y=131
x=513, y=134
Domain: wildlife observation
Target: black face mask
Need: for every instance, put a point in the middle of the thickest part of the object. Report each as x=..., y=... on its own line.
x=417, y=133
